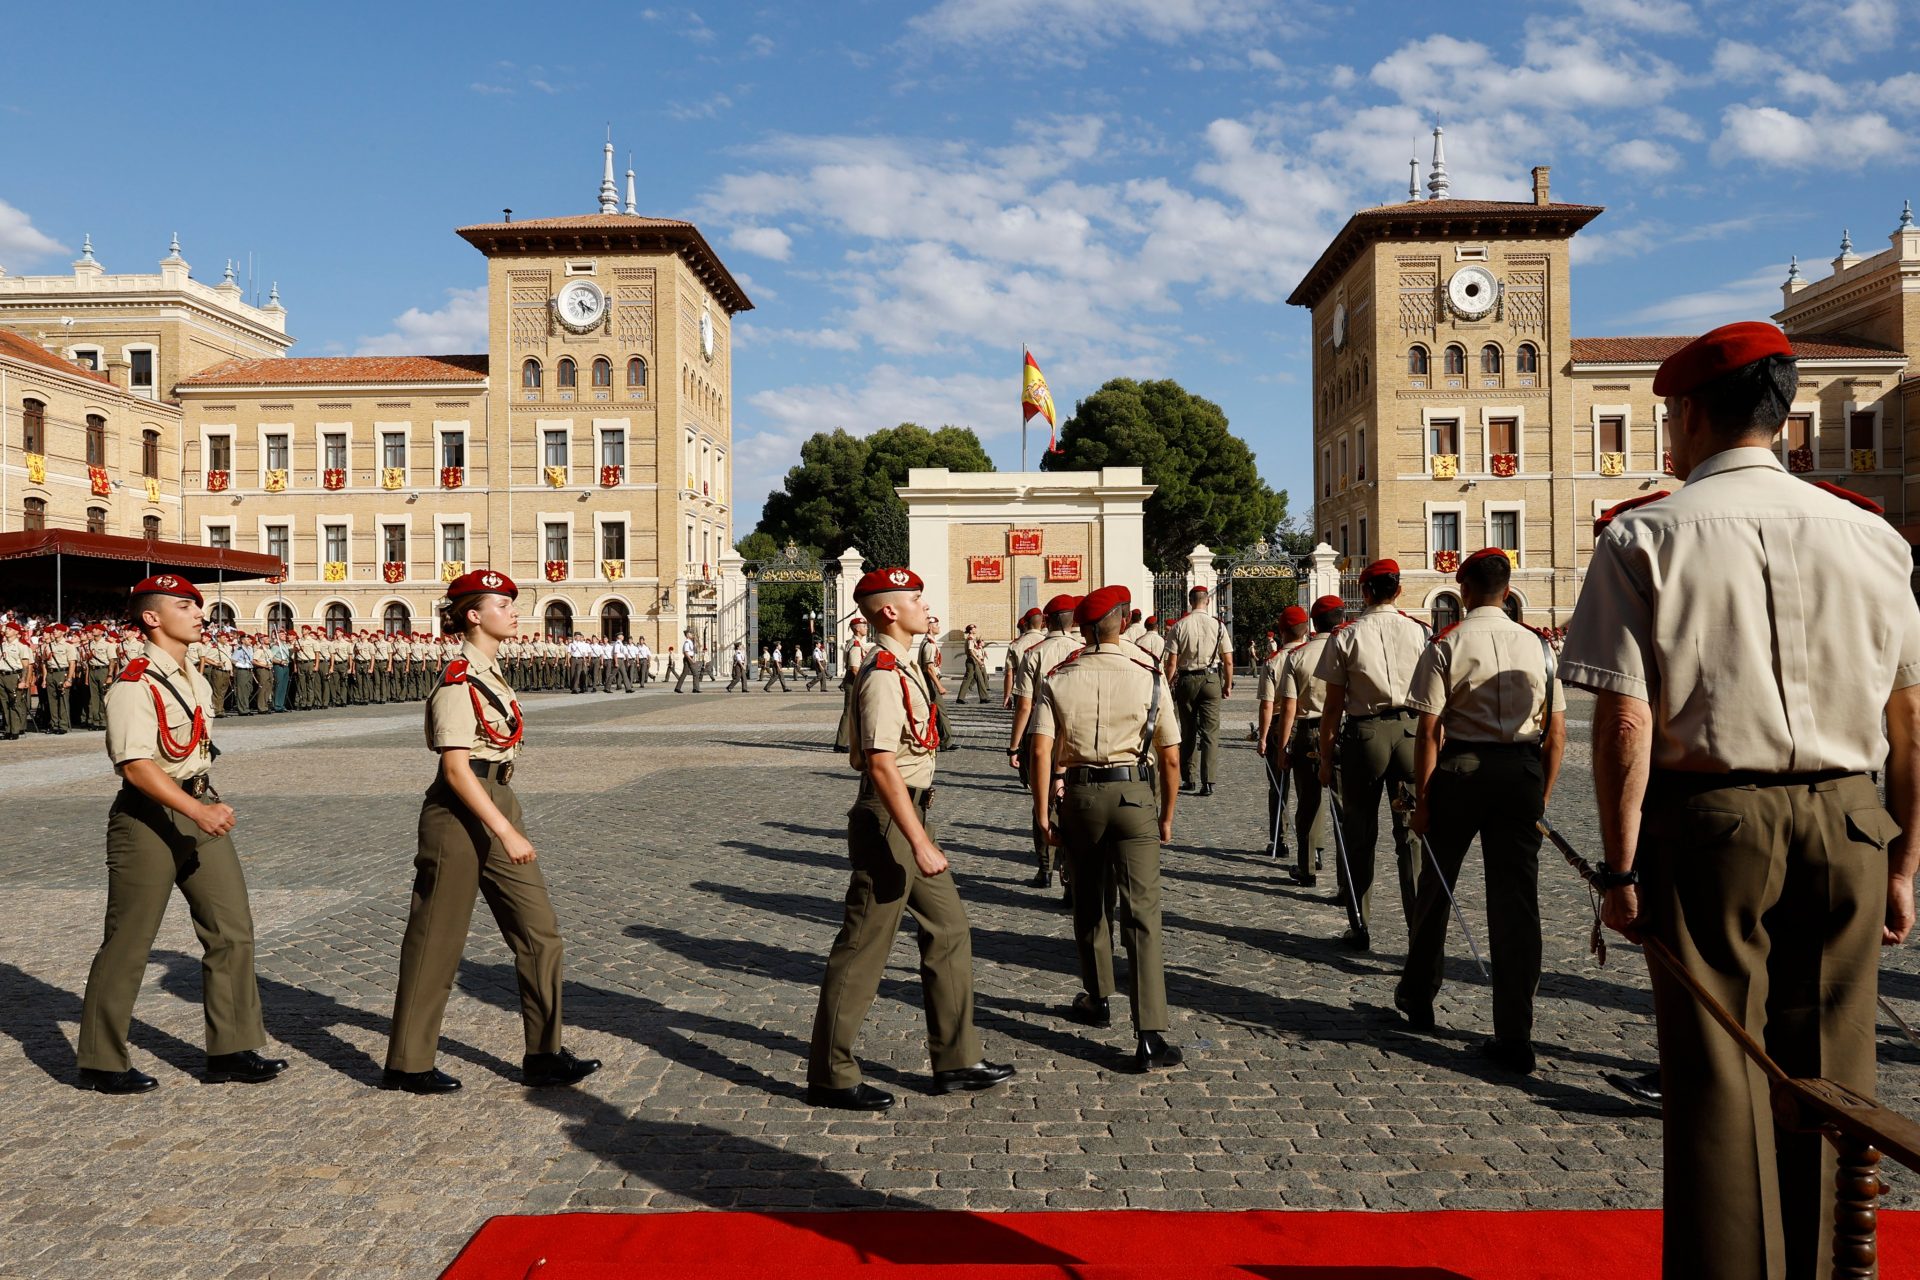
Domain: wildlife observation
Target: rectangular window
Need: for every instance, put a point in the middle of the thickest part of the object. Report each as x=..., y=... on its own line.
x=556, y=446
x=1860, y=431
x=150, y=526
x=1360, y=464
x=1799, y=431
x=1344, y=472
x=335, y=445
x=150, y=454
x=280, y=542
x=613, y=542
x=220, y=535
x=335, y=537
x=1506, y=530
x=140, y=370
x=1029, y=594
x=1503, y=435
x=453, y=542
x=34, y=515
x=393, y=543
x=1344, y=548
x=277, y=451
x=1443, y=435
x=613, y=448
x=88, y=357
x=96, y=519
x=1326, y=472
x=33, y=426
x=219, y=453
x=96, y=440
x=556, y=541
x=1613, y=434
x=1446, y=531
x=453, y=448
x=1363, y=537
x=393, y=449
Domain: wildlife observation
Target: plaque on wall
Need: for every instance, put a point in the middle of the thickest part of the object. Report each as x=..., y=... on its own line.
x=986, y=569
x=1063, y=568
x=1023, y=542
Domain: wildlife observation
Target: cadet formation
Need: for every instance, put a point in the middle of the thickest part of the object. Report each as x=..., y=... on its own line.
x=1740, y=732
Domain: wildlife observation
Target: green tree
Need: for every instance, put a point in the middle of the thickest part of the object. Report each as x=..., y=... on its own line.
x=1207, y=487
x=842, y=492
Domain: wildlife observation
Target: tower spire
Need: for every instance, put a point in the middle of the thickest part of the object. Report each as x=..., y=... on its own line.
x=1906, y=215
x=609, y=194
x=630, y=203
x=1413, y=178
x=1437, y=183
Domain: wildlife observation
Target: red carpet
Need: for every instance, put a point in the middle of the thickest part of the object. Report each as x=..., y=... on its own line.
x=1102, y=1245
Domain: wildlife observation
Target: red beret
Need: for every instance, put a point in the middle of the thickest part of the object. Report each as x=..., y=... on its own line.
x=1292, y=616
x=1153, y=619
x=166, y=584
x=1062, y=604
x=1029, y=615
x=1484, y=553
x=881, y=581
x=482, y=582
x=1380, y=569
x=1096, y=605
x=1327, y=604
x=1730, y=347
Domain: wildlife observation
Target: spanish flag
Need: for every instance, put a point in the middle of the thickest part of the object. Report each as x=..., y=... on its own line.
x=1035, y=398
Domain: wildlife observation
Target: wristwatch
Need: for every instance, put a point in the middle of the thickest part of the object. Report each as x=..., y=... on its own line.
x=1617, y=879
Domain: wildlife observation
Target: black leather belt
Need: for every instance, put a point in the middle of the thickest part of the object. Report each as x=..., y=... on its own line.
x=1306, y=722
x=501, y=771
x=1391, y=713
x=1669, y=782
x=1454, y=747
x=1083, y=774
x=922, y=797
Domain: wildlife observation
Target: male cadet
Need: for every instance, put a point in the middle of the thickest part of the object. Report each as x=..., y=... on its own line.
x=216, y=664
x=1270, y=731
x=1030, y=631
x=385, y=687
x=306, y=670
x=1049, y=652
x=168, y=826
x=102, y=657
x=1295, y=735
x=280, y=654
x=1745, y=637
x=1152, y=641
x=61, y=658
x=737, y=668
x=1493, y=728
x=854, y=654
x=930, y=658
x=1199, y=665
x=240, y=654
x=896, y=866
x=262, y=674
x=819, y=666
x=689, y=656
x=15, y=658
x=976, y=673
x=776, y=670
x=1368, y=729
x=1135, y=629
x=1099, y=723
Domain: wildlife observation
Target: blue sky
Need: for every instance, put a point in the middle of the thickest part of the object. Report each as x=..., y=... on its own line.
x=910, y=191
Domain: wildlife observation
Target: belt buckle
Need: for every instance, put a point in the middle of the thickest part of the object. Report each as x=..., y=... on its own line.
x=504, y=772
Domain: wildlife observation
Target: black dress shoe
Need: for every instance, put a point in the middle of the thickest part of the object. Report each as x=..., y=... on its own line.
x=1644, y=1088
x=1153, y=1053
x=1514, y=1055
x=128, y=1081
x=1419, y=1013
x=244, y=1067
x=1189, y=786
x=1090, y=1011
x=1041, y=879
x=981, y=1075
x=862, y=1097
x=545, y=1070
x=1066, y=895
x=432, y=1080
x=1206, y=789
x=1357, y=939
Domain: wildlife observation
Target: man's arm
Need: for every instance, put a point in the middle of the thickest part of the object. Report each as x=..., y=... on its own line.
x=1040, y=783
x=1289, y=709
x=1622, y=760
x=1330, y=729
x=1554, y=749
x=884, y=770
x=1261, y=722
x=152, y=782
x=1426, y=755
x=1226, y=682
x=1169, y=789
x=1903, y=798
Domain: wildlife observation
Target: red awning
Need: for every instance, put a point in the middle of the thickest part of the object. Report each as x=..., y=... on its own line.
x=194, y=563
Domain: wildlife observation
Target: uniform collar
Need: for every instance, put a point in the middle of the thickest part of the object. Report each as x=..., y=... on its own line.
x=476, y=660
x=1735, y=460
x=1387, y=606
x=162, y=661
x=1486, y=611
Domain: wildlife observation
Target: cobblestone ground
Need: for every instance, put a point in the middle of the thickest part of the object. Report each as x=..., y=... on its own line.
x=694, y=845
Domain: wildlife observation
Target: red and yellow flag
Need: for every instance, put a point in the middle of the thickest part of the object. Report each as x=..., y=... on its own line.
x=1035, y=398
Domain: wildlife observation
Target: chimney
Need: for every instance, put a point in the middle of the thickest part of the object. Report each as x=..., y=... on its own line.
x=1540, y=173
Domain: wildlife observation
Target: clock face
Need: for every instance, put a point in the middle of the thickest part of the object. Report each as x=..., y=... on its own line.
x=1340, y=324
x=1473, y=291
x=706, y=334
x=580, y=305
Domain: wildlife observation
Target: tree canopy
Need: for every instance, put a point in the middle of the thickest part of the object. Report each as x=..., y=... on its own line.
x=842, y=492
x=1208, y=489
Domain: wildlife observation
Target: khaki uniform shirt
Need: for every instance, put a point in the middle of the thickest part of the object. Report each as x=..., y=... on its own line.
x=383, y=652
x=133, y=722
x=1489, y=679
x=101, y=652
x=132, y=647
x=451, y=720
x=1200, y=641
x=218, y=657
x=1373, y=657
x=14, y=655
x=1153, y=644
x=60, y=652
x=1017, y=652
x=262, y=657
x=1094, y=706
x=1042, y=658
x=1270, y=672
x=1764, y=620
x=1133, y=633
x=895, y=713
x=1298, y=679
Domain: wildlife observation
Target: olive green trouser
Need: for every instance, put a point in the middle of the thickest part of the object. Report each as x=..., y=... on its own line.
x=150, y=849
x=1375, y=753
x=334, y=688
x=219, y=680
x=457, y=859
x=887, y=881
x=59, y=703
x=13, y=707
x=1111, y=832
x=306, y=686
x=1197, y=696
x=976, y=678
x=1312, y=815
x=98, y=678
x=1772, y=896
x=263, y=689
x=243, y=691
x=1497, y=793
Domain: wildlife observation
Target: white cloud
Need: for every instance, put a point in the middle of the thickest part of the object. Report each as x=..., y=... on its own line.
x=705, y=109
x=759, y=46
x=1773, y=136
x=767, y=242
x=1052, y=30
x=1561, y=69
x=21, y=241
x=1662, y=17
x=1644, y=157
x=1676, y=124
x=1754, y=296
x=1902, y=92
x=455, y=329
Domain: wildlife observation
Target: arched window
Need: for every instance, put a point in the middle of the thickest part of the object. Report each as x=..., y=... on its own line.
x=1456, y=360
x=1364, y=373
x=1527, y=360
x=1490, y=359
x=569, y=376
x=33, y=426
x=613, y=620
x=530, y=375
x=339, y=618
x=397, y=619
x=280, y=616
x=34, y=514
x=150, y=453
x=96, y=519
x=1417, y=362
x=96, y=440
x=221, y=615
x=1446, y=610
x=636, y=374
x=559, y=621
x=150, y=526
x=602, y=372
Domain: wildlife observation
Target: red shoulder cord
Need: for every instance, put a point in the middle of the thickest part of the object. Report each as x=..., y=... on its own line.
x=169, y=746
x=495, y=739
x=927, y=739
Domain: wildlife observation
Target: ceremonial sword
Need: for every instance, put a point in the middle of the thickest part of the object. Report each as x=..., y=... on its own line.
x=1458, y=915
x=1353, y=892
x=1277, y=846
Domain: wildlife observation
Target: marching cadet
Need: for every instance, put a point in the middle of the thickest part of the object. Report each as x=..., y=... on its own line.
x=1199, y=665
x=16, y=659
x=1043, y=656
x=169, y=826
x=930, y=658
x=1271, y=733
x=1745, y=638
x=976, y=673
x=1492, y=731
x=854, y=654
x=1152, y=641
x=61, y=660
x=738, y=668
x=689, y=662
x=1098, y=724
x=1368, y=730
x=1135, y=628
x=896, y=867
x=643, y=659
x=1030, y=631
x=471, y=842
x=775, y=671
x=1295, y=734
x=102, y=655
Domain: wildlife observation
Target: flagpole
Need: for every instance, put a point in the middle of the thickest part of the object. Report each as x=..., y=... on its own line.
x=1023, y=406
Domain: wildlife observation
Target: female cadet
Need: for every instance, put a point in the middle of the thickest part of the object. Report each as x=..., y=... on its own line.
x=471, y=842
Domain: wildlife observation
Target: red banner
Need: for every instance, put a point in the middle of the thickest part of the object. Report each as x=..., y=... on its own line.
x=1023, y=542
x=986, y=569
x=1063, y=568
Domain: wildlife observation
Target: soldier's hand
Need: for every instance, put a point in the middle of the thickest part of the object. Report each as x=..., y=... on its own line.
x=1260, y=744
x=1899, y=910
x=215, y=819
x=929, y=859
x=1286, y=761
x=519, y=849
x=1620, y=910
x=1421, y=819
x=1326, y=773
x=1166, y=830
